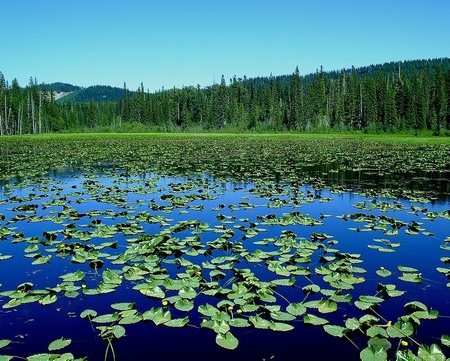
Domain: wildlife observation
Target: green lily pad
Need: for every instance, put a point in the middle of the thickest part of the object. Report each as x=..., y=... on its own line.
x=118, y=331
x=130, y=319
x=111, y=277
x=59, y=344
x=373, y=353
x=431, y=353
x=407, y=269
x=400, y=329
x=445, y=340
x=227, y=341
x=296, y=309
x=327, y=306
x=177, y=322
x=259, y=322
x=184, y=305
x=280, y=326
x=414, y=306
x=123, y=306
x=239, y=322
x=208, y=310
x=376, y=330
x=411, y=277
x=314, y=320
x=73, y=277
x=5, y=257
x=187, y=292
x=41, y=260
x=49, y=299
x=352, y=323
x=4, y=343
x=107, y=318
x=377, y=342
x=282, y=316
x=153, y=291
x=336, y=331
x=88, y=313
x=311, y=288
x=382, y=272
x=39, y=357
x=158, y=316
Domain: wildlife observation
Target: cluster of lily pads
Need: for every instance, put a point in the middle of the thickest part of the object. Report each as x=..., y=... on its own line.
x=203, y=251
x=55, y=345
x=413, y=171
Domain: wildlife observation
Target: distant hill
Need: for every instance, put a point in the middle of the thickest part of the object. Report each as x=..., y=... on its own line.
x=405, y=68
x=60, y=87
x=64, y=93
x=97, y=93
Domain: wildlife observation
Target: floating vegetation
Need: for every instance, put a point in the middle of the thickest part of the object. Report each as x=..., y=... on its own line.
x=220, y=237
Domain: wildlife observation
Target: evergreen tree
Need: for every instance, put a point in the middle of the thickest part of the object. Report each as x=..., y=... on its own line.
x=3, y=107
x=424, y=116
x=295, y=102
x=370, y=110
x=126, y=104
x=447, y=92
x=439, y=99
x=412, y=95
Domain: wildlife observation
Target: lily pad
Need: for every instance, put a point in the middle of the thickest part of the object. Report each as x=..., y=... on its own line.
x=59, y=344
x=373, y=353
x=4, y=343
x=314, y=320
x=296, y=309
x=280, y=326
x=227, y=341
x=336, y=331
x=177, y=322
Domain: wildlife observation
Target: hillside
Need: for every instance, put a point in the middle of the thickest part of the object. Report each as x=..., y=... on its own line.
x=104, y=93
x=97, y=93
x=59, y=87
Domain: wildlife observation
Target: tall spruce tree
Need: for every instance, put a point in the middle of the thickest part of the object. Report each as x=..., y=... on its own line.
x=439, y=100
x=295, y=101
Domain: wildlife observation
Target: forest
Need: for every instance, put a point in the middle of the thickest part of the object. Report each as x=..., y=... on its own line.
x=408, y=96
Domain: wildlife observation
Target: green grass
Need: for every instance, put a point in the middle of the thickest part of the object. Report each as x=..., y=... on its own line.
x=391, y=138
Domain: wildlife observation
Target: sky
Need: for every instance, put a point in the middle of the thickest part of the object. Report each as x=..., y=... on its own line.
x=175, y=43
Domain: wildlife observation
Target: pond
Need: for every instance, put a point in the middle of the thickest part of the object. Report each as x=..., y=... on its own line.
x=209, y=248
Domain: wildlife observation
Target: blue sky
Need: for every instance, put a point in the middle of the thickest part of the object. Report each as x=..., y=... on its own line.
x=166, y=43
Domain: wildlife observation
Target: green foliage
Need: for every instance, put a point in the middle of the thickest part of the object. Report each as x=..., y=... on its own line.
x=161, y=265
x=409, y=96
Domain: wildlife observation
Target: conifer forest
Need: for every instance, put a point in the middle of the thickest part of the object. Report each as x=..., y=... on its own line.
x=408, y=96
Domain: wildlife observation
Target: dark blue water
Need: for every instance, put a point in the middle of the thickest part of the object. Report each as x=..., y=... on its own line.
x=32, y=326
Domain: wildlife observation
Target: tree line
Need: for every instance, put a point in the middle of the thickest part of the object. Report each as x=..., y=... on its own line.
x=392, y=97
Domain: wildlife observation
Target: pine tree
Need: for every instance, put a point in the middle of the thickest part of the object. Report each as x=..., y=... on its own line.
x=3, y=113
x=352, y=102
x=447, y=92
x=424, y=108
x=370, y=111
x=295, y=101
x=439, y=99
x=219, y=104
x=338, y=101
x=16, y=108
x=126, y=104
x=390, y=111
